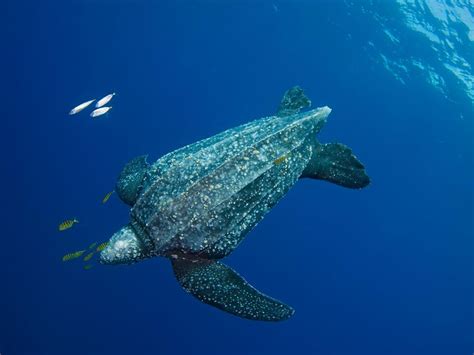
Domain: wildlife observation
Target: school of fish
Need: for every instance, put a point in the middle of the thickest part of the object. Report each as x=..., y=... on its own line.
x=93, y=248
x=91, y=252
x=100, y=108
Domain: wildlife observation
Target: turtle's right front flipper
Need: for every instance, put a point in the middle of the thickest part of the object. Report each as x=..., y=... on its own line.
x=218, y=285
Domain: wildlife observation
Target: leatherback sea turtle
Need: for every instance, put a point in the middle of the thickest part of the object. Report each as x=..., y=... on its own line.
x=196, y=204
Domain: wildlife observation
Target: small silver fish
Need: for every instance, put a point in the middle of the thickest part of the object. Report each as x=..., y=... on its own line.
x=100, y=111
x=105, y=100
x=80, y=107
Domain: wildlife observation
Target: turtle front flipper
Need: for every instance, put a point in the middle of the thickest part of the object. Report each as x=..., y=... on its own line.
x=218, y=285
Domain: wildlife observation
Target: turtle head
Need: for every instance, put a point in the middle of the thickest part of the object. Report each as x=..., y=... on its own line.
x=130, y=181
x=123, y=248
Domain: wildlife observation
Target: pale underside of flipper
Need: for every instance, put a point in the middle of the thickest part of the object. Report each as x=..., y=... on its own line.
x=218, y=285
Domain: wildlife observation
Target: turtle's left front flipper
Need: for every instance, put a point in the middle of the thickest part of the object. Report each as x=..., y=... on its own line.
x=218, y=285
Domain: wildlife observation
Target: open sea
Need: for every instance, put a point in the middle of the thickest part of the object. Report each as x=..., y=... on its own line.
x=387, y=269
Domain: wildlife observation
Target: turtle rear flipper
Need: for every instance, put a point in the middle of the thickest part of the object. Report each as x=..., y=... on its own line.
x=292, y=102
x=336, y=163
x=218, y=285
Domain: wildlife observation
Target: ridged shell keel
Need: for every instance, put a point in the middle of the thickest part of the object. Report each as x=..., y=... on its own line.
x=196, y=202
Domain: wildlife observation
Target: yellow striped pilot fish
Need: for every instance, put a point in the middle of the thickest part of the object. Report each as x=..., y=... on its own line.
x=106, y=198
x=67, y=224
x=73, y=256
x=89, y=256
x=102, y=246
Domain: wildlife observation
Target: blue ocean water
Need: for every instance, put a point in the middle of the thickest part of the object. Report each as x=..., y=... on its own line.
x=384, y=270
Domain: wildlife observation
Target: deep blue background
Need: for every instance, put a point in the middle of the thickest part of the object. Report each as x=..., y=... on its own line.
x=385, y=270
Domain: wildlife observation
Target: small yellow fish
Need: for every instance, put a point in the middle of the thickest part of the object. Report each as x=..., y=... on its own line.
x=92, y=245
x=67, y=224
x=88, y=267
x=106, y=198
x=73, y=256
x=89, y=256
x=102, y=246
x=280, y=160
